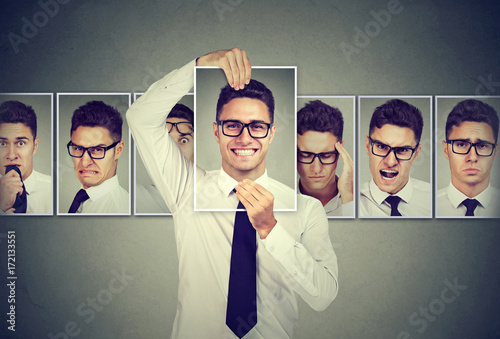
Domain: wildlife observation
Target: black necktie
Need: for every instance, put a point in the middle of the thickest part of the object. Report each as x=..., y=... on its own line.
x=471, y=205
x=80, y=197
x=21, y=203
x=394, y=200
x=241, y=314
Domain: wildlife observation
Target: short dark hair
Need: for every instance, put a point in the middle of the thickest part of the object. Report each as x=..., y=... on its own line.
x=475, y=111
x=98, y=114
x=254, y=90
x=183, y=112
x=399, y=113
x=15, y=112
x=320, y=117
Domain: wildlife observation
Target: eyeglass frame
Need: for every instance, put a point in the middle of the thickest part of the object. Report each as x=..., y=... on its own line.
x=221, y=123
x=472, y=144
x=87, y=149
x=393, y=149
x=177, y=128
x=318, y=155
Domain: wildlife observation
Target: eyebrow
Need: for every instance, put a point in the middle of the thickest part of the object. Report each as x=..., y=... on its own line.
x=17, y=138
x=383, y=143
x=251, y=121
x=469, y=140
x=100, y=145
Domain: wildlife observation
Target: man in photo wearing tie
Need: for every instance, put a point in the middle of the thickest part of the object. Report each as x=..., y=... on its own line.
x=319, y=146
x=393, y=146
x=95, y=147
x=470, y=148
x=239, y=272
x=22, y=189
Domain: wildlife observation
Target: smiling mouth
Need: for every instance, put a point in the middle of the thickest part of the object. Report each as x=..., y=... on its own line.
x=243, y=152
x=389, y=174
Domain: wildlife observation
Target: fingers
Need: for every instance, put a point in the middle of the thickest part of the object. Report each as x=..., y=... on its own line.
x=346, y=158
x=234, y=62
x=253, y=193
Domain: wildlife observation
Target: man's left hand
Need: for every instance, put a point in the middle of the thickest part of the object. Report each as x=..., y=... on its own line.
x=346, y=180
x=259, y=204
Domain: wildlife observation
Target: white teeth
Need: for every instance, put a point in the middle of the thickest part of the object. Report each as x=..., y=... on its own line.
x=92, y=172
x=389, y=174
x=244, y=151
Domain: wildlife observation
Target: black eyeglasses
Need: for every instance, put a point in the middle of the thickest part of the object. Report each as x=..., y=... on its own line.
x=97, y=152
x=382, y=150
x=326, y=158
x=181, y=127
x=483, y=148
x=234, y=128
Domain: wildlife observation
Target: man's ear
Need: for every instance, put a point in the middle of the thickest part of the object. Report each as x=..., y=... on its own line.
x=367, y=145
x=216, y=131
x=272, y=131
x=445, y=149
x=119, y=149
x=417, y=153
x=35, y=145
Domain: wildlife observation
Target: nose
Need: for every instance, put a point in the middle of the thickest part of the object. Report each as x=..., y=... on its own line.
x=244, y=137
x=86, y=159
x=472, y=155
x=11, y=152
x=390, y=159
x=317, y=166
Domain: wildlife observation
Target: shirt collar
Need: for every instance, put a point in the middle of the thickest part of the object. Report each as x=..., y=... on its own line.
x=379, y=196
x=30, y=183
x=95, y=192
x=226, y=183
x=456, y=197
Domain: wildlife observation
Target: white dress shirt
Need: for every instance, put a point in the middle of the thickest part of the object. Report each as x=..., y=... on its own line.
x=39, y=194
x=449, y=202
x=415, y=200
x=296, y=257
x=214, y=187
x=335, y=208
x=106, y=198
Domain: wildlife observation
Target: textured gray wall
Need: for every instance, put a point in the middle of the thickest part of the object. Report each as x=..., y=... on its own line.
x=389, y=271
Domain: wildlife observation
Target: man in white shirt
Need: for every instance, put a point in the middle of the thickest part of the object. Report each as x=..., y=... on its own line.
x=393, y=145
x=180, y=123
x=22, y=189
x=470, y=147
x=96, y=145
x=319, y=144
x=293, y=250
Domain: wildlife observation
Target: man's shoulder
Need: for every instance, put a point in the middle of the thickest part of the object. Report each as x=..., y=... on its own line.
x=283, y=194
x=364, y=188
x=421, y=185
x=44, y=178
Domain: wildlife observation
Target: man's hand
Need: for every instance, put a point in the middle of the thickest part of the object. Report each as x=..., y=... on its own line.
x=345, y=183
x=10, y=186
x=259, y=205
x=234, y=62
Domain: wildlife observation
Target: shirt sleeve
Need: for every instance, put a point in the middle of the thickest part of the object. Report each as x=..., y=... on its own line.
x=170, y=171
x=311, y=262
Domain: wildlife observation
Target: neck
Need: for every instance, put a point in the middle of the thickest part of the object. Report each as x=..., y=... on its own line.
x=324, y=195
x=470, y=190
x=239, y=175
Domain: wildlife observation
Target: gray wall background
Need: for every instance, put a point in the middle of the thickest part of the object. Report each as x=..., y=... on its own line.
x=387, y=270
x=444, y=105
x=68, y=183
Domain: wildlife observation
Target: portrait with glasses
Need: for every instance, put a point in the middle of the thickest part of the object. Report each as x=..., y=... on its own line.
x=247, y=138
x=467, y=157
x=93, y=153
x=395, y=157
x=324, y=162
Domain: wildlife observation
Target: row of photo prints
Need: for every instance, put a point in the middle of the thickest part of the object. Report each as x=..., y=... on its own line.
x=361, y=156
